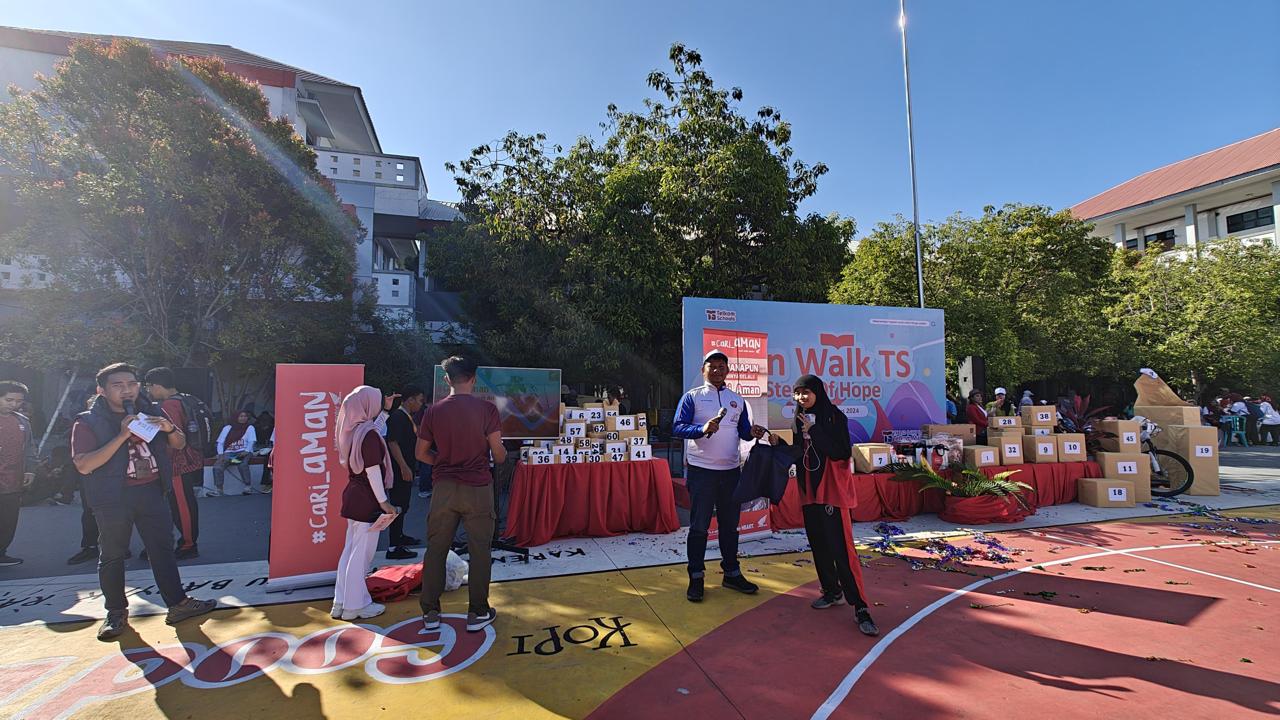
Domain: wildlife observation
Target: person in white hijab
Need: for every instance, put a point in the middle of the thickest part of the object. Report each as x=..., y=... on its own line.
x=363, y=451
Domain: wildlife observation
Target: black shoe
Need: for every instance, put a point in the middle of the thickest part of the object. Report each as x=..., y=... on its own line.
x=6, y=561
x=695, y=590
x=866, y=625
x=142, y=556
x=400, y=553
x=827, y=600
x=129, y=553
x=739, y=583
x=85, y=555
x=114, y=625
x=186, y=553
x=189, y=608
x=406, y=541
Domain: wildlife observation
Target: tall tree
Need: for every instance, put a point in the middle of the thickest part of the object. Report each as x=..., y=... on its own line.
x=578, y=258
x=179, y=223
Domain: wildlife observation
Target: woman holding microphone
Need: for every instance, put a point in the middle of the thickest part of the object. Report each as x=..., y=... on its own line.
x=822, y=434
x=363, y=451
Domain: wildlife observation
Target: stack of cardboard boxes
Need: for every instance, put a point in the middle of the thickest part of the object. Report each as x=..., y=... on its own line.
x=1126, y=467
x=593, y=434
x=1182, y=433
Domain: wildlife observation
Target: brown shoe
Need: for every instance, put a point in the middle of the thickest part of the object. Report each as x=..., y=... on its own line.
x=114, y=625
x=189, y=608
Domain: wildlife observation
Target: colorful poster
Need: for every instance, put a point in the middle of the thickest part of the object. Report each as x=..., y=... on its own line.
x=748, y=354
x=883, y=366
x=528, y=399
x=307, y=529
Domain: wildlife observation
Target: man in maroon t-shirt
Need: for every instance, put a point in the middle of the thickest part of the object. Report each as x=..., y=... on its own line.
x=463, y=431
x=161, y=386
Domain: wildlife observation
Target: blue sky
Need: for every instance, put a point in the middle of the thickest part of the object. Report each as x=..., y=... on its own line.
x=1014, y=101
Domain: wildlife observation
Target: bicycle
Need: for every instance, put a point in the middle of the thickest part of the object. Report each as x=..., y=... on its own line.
x=1171, y=474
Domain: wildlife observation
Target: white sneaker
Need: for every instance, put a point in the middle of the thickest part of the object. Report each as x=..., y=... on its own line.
x=212, y=492
x=336, y=612
x=250, y=491
x=368, y=611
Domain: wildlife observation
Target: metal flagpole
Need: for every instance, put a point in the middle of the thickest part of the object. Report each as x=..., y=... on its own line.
x=911, y=151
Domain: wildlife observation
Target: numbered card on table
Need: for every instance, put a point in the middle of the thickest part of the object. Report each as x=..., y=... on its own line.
x=641, y=452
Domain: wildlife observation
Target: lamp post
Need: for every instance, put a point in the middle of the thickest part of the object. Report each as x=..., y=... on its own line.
x=911, y=151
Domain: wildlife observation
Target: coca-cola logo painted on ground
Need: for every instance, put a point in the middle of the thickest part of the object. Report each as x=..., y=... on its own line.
x=394, y=655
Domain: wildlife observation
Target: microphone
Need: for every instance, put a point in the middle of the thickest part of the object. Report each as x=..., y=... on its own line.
x=129, y=408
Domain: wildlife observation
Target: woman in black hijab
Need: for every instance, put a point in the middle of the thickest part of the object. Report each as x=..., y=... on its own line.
x=822, y=434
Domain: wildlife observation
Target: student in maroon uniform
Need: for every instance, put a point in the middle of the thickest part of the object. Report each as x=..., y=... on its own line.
x=17, y=463
x=188, y=466
x=364, y=453
x=464, y=431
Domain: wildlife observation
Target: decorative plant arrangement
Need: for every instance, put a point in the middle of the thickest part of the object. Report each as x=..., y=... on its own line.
x=971, y=496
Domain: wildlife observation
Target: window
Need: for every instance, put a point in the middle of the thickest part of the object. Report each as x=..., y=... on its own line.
x=377, y=174
x=333, y=158
x=395, y=281
x=377, y=163
x=1164, y=239
x=5, y=275
x=399, y=178
x=1131, y=244
x=399, y=166
x=395, y=293
x=355, y=173
x=355, y=161
x=1261, y=217
x=333, y=171
x=41, y=277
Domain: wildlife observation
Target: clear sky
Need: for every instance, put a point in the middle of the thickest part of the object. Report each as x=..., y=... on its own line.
x=1032, y=101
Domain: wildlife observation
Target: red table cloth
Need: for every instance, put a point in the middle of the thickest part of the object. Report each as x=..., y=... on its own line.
x=880, y=497
x=590, y=499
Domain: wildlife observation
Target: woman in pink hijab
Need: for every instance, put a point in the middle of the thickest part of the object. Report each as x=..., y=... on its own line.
x=363, y=451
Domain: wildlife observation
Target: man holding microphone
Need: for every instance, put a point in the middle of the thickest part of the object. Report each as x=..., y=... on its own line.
x=713, y=419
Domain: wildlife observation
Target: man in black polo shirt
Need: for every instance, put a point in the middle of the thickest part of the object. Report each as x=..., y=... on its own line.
x=402, y=439
x=125, y=475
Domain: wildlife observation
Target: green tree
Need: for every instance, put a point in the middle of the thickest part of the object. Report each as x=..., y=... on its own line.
x=179, y=223
x=1211, y=318
x=578, y=258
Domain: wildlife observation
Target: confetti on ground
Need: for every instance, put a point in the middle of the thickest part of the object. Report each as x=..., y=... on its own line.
x=977, y=606
x=1155, y=658
x=1133, y=570
x=1097, y=568
x=1175, y=582
x=1245, y=660
x=1085, y=611
x=1046, y=594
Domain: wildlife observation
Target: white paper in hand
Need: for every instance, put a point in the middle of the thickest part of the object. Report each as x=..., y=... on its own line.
x=143, y=429
x=383, y=522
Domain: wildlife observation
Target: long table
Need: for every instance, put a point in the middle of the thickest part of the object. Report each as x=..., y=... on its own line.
x=880, y=497
x=590, y=500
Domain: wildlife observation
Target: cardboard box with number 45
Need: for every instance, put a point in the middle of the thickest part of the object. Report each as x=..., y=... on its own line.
x=1124, y=436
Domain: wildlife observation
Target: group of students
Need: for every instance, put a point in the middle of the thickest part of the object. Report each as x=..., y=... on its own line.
x=1260, y=416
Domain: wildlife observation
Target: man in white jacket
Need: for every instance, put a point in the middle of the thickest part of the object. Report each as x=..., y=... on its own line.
x=713, y=419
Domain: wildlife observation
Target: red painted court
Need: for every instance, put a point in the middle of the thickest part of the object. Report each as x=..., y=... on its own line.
x=1126, y=619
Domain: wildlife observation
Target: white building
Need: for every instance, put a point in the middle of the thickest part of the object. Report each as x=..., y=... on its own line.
x=388, y=193
x=1232, y=191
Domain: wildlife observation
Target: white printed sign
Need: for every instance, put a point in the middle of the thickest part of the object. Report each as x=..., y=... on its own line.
x=617, y=457
x=540, y=457
x=1044, y=416
x=1042, y=431
x=1118, y=494
x=1006, y=422
x=595, y=414
x=1071, y=448
x=641, y=452
x=1204, y=451
x=595, y=458
x=1129, y=438
x=575, y=429
x=988, y=457
x=1127, y=467
x=879, y=459
x=1046, y=448
x=626, y=422
x=639, y=440
x=612, y=435
x=1013, y=449
x=610, y=413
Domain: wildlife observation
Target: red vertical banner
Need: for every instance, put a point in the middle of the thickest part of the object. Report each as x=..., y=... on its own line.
x=748, y=354
x=307, y=529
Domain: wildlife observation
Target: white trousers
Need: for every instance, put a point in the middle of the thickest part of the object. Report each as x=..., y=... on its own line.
x=350, y=590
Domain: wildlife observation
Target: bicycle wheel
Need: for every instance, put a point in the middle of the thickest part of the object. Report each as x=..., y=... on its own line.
x=1171, y=474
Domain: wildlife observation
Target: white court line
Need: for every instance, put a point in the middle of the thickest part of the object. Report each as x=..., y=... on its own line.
x=846, y=685
x=1129, y=553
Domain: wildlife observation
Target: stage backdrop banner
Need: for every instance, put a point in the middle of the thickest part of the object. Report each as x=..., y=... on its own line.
x=883, y=366
x=307, y=529
x=528, y=399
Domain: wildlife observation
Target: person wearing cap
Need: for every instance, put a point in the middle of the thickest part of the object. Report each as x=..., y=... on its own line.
x=1027, y=399
x=1002, y=406
x=713, y=419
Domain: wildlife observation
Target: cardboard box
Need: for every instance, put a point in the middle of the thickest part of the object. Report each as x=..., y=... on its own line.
x=1045, y=415
x=965, y=431
x=581, y=443
x=1134, y=467
x=1039, y=448
x=1127, y=436
x=616, y=457
x=634, y=437
x=620, y=422
x=575, y=429
x=575, y=458
x=560, y=452
x=1199, y=445
x=612, y=436
x=1011, y=450
x=538, y=456
x=642, y=422
x=1071, y=447
x=641, y=452
x=870, y=457
x=597, y=428
x=615, y=447
x=1012, y=431
x=594, y=458
x=981, y=455
x=1003, y=421
x=1037, y=431
x=576, y=415
x=1105, y=492
x=788, y=435
x=595, y=415
x=1176, y=415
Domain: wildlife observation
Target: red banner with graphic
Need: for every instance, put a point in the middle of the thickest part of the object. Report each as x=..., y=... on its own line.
x=307, y=529
x=748, y=354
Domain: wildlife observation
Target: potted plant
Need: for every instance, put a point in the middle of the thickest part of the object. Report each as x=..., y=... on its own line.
x=1078, y=417
x=971, y=498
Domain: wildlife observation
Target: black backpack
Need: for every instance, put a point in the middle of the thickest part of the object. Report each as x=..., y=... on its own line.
x=199, y=429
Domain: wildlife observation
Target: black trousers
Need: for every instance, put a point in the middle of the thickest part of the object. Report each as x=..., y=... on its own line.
x=143, y=507
x=825, y=528
x=10, y=504
x=400, y=495
x=185, y=509
x=711, y=493
x=88, y=523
